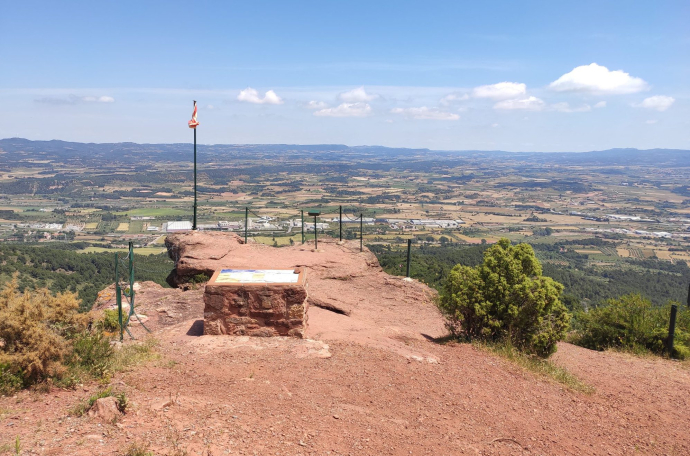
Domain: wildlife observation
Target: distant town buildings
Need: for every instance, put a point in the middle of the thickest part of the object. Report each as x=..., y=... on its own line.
x=79, y=227
x=42, y=226
x=225, y=225
x=319, y=226
x=172, y=227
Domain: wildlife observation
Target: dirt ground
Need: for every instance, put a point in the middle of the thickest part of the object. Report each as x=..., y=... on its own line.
x=235, y=395
x=373, y=382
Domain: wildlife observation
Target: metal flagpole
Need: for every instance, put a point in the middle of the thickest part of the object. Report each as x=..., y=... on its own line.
x=193, y=124
x=194, y=224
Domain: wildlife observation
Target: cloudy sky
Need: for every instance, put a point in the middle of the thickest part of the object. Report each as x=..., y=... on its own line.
x=517, y=76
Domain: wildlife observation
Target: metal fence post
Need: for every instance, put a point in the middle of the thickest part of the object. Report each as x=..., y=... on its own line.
x=340, y=220
x=118, y=299
x=302, y=212
x=672, y=329
x=118, y=294
x=409, y=249
x=131, y=265
x=246, y=223
x=316, y=235
x=131, y=278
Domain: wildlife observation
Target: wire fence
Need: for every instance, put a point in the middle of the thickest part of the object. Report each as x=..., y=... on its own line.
x=125, y=269
x=124, y=286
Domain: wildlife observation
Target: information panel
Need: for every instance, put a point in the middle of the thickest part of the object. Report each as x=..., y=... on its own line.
x=229, y=276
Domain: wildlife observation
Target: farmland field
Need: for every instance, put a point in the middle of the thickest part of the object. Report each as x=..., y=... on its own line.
x=558, y=203
x=156, y=212
x=138, y=251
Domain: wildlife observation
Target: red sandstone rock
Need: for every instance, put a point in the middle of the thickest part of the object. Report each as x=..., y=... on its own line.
x=255, y=309
x=196, y=252
x=350, y=296
x=106, y=409
x=162, y=306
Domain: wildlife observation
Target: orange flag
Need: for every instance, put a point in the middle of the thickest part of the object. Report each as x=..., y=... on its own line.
x=193, y=123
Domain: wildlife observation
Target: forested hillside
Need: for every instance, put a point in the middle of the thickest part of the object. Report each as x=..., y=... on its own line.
x=585, y=282
x=60, y=267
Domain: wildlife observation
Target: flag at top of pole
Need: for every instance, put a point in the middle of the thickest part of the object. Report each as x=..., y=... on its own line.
x=193, y=123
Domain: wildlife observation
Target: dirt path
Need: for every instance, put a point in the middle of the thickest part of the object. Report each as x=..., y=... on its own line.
x=230, y=395
x=370, y=380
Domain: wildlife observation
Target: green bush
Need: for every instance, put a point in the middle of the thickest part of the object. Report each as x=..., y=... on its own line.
x=9, y=381
x=200, y=278
x=506, y=299
x=91, y=351
x=110, y=321
x=632, y=323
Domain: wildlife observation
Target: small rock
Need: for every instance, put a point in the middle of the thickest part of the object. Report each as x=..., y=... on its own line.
x=336, y=417
x=162, y=404
x=105, y=408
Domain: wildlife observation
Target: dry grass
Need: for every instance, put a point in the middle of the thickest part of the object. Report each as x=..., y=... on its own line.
x=138, y=449
x=541, y=367
x=133, y=354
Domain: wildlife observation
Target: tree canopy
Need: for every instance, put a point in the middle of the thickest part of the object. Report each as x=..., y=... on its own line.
x=506, y=298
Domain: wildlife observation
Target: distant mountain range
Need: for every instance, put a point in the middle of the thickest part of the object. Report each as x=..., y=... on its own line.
x=19, y=148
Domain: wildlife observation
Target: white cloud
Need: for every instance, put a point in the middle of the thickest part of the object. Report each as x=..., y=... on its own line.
x=500, y=91
x=565, y=107
x=601, y=104
x=658, y=102
x=252, y=96
x=74, y=99
x=528, y=104
x=425, y=113
x=316, y=105
x=453, y=97
x=356, y=96
x=103, y=99
x=598, y=79
x=346, y=110
x=494, y=125
x=651, y=122
x=210, y=107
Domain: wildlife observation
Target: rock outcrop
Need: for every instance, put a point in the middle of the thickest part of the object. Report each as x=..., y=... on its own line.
x=159, y=307
x=349, y=296
x=199, y=252
x=255, y=310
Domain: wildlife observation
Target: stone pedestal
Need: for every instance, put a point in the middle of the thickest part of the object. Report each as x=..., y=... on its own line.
x=256, y=303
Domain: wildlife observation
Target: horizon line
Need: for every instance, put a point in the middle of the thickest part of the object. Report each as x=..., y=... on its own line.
x=357, y=146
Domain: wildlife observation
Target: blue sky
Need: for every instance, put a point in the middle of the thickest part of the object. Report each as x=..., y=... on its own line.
x=543, y=76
